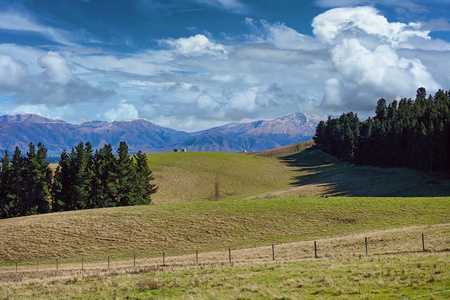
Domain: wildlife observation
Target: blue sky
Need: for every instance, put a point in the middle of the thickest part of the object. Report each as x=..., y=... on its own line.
x=196, y=64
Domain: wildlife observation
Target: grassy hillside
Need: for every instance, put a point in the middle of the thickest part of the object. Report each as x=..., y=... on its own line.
x=190, y=176
x=317, y=174
x=279, y=209
x=284, y=151
x=184, y=219
x=291, y=171
x=206, y=226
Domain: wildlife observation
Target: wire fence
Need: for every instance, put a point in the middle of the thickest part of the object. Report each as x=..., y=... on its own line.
x=388, y=242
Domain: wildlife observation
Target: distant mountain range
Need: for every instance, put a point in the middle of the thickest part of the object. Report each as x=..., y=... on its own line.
x=57, y=135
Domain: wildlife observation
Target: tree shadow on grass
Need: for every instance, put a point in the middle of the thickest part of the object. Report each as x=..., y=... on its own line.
x=330, y=177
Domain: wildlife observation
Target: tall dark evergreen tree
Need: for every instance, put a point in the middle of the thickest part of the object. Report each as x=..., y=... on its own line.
x=5, y=186
x=17, y=184
x=61, y=182
x=105, y=183
x=37, y=182
x=89, y=174
x=320, y=136
x=381, y=110
x=144, y=177
x=81, y=177
x=127, y=183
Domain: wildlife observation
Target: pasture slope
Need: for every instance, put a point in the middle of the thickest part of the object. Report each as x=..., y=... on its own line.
x=191, y=176
x=276, y=198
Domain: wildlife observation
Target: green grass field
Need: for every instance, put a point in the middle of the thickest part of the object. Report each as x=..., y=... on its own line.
x=190, y=176
x=182, y=228
x=275, y=197
x=373, y=277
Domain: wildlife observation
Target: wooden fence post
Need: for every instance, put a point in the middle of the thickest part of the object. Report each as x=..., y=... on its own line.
x=315, y=249
x=82, y=263
x=423, y=243
x=229, y=254
x=196, y=257
x=164, y=259
x=273, y=252
x=367, y=251
x=134, y=260
x=16, y=266
x=57, y=265
x=37, y=266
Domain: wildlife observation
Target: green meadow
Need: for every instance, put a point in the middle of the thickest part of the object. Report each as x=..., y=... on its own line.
x=288, y=198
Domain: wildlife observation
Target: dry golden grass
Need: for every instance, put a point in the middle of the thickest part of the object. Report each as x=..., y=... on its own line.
x=291, y=171
x=336, y=251
x=178, y=229
x=191, y=176
x=284, y=151
x=369, y=277
x=185, y=222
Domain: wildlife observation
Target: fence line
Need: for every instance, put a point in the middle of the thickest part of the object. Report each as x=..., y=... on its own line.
x=122, y=263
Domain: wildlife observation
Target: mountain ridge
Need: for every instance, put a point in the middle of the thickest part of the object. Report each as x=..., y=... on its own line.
x=58, y=135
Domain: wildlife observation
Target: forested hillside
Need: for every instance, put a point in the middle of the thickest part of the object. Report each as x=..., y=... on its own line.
x=410, y=133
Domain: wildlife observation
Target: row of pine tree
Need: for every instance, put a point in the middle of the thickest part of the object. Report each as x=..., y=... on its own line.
x=408, y=133
x=83, y=179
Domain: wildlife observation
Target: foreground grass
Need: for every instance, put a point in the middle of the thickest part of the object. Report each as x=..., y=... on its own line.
x=368, y=277
x=183, y=228
x=404, y=240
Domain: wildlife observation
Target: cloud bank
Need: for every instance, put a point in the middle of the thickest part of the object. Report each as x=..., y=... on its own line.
x=354, y=57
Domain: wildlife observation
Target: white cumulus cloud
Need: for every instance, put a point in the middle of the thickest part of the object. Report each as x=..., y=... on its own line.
x=12, y=73
x=51, y=112
x=57, y=85
x=343, y=22
x=380, y=68
x=195, y=45
x=123, y=111
x=56, y=69
x=365, y=55
x=281, y=36
x=205, y=101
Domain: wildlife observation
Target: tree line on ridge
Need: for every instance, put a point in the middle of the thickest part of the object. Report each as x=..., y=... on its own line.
x=83, y=179
x=408, y=133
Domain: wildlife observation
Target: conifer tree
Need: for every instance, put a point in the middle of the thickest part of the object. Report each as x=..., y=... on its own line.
x=5, y=186
x=17, y=186
x=144, y=177
x=127, y=183
x=105, y=185
x=37, y=182
x=89, y=175
x=80, y=168
x=319, y=137
x=61, y=183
